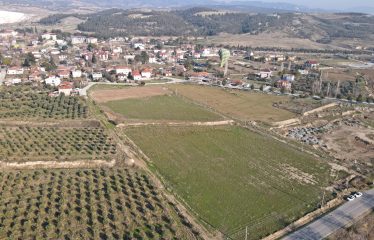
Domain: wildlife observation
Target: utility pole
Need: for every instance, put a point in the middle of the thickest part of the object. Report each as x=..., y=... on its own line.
x=337, y=89
x=246, y=232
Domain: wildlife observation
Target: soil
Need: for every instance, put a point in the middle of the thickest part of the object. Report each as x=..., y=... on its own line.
x=351, y=143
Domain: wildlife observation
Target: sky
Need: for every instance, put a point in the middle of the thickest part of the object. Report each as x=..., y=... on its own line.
x=329, y=4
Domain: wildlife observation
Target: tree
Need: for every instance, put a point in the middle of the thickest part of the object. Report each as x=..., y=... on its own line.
x=94, y=60
x=359, y=98
x=188, y=63
x=144, y=57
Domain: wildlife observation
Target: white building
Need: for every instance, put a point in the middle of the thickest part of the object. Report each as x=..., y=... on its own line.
x=97, y=75
x=15, y=71
x=78, y=39
x=146, y=74
x=91, y=40
x=49, y=36
x=76, y=73
x=53, y=81
x=265, y=73
x=140, y=46
x=123, y=70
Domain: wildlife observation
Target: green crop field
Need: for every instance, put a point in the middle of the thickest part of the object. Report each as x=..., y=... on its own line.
x=233, y=177
x=27, y=103
x=161, y=108
x=24, y=143
x=86, y=204
x=238, y=104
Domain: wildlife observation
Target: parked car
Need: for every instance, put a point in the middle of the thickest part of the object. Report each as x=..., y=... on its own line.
x=351, y=198
x=357, y=194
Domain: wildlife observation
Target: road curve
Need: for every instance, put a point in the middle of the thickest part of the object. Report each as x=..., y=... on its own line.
x=343, y=216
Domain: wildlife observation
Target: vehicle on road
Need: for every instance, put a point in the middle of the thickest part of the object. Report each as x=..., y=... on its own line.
x=351, y=198
x=357, y=194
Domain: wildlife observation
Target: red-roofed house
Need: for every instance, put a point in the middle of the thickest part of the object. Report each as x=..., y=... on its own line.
x=66, y=88
x=136, y=75
x=146, y=73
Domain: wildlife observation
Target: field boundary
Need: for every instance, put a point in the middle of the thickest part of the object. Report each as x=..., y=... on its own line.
x=177, y=124
x=57, y=164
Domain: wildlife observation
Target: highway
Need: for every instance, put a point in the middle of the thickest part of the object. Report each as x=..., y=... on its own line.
x=344, y=216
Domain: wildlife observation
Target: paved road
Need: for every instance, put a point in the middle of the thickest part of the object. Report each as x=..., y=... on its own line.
x=344, y=216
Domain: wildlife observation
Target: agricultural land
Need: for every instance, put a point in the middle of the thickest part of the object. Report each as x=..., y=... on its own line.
x=208, y=168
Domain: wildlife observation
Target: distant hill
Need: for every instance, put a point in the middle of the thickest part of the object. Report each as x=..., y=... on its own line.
x=202, y=21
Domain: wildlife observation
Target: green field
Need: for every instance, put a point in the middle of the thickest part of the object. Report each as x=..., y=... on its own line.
x=232, y=177
x=161, y=108
x=85, y=204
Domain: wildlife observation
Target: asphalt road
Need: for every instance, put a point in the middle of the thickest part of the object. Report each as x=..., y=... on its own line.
x=344, y=216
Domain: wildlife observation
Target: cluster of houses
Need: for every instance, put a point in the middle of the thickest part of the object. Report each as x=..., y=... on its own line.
x=65, y=61
x=54, y=58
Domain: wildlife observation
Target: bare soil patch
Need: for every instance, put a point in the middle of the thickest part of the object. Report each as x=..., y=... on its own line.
x=102, y=96
x=351, y=143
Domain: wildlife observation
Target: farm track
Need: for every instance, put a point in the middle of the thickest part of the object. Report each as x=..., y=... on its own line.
x=56, y=164
x=179, y=124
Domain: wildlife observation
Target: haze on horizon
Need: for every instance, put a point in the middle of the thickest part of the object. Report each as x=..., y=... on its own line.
x=327, y=4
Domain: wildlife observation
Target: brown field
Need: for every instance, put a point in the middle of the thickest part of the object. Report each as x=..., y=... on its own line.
x=351, y=143
x=266, y=39
x=102, y=96
x=237, y=104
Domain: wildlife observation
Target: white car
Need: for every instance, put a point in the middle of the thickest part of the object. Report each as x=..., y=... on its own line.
x=351, y=198
x=357, y=194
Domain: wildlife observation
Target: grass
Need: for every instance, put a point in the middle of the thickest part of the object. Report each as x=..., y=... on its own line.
x=161, y=108
x=100, y=86
x=85, y=204
x=237, y=104
x=232, y=177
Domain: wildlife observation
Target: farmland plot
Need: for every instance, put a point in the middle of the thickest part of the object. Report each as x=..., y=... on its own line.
x=161, y=108
x=237, y=104
x=85, y=204
x=17, y=104
x=24, y=143
x=232, y=177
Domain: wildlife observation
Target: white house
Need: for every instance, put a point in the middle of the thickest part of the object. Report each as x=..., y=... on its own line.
x=78, y=39
x=146, y=73
x=265, y=73
x=303, y=71
x=117, y=50
x=54, y=81
x=288, y=77
x=97, y=75
x=49, y=36
x=76, y=73
x=15, y=71
x=91, y=40
x=123, y=70
x=140, y=46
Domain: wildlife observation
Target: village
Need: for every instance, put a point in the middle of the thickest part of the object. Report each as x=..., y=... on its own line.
x=68, y=63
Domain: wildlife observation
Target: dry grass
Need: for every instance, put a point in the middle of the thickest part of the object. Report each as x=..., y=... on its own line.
x=107, y=95
x=237, y=104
